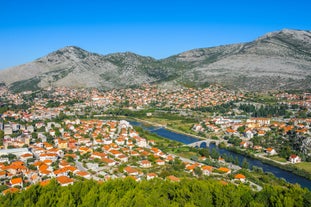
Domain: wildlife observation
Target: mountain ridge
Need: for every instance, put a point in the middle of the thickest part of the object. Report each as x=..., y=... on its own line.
x=277, y=60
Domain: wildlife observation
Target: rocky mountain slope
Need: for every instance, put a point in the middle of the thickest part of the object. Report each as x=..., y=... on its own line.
x=278, y=60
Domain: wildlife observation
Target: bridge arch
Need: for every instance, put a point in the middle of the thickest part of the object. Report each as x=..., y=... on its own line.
x=203, y=143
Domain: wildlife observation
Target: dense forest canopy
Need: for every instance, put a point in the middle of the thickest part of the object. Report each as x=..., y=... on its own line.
x=156, y=192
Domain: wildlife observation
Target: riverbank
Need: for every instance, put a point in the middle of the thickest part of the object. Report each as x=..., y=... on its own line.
x=168, y=128
x=288, y=167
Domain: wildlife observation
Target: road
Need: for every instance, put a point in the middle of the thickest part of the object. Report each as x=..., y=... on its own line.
x=262, y=155
x=79, y=165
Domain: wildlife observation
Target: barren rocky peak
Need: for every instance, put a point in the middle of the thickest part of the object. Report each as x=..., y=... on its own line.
x=277, y=60
x=301, y=35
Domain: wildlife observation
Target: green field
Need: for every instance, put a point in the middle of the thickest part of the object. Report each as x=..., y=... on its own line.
x=304, y=166
x=279, y=159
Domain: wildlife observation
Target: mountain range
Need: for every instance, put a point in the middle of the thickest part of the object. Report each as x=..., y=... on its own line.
x=275, y=61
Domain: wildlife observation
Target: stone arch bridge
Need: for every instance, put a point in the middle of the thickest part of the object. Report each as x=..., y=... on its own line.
x=205, y=142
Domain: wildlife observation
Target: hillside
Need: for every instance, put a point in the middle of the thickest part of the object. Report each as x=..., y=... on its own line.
x=274, y=61
x=277, y=60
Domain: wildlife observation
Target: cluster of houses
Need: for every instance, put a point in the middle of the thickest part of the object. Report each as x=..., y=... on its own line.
x=247, y=129
x=179, y=98
x=92, y=149
x=303, y=100
x=139, y=98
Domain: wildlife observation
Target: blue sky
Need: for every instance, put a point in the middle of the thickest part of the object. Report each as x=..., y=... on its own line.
x=30, y=29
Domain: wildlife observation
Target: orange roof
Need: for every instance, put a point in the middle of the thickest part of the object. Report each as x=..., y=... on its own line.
x=229, y=130
x=107, y=160
x=115, y=152
x=16, y=181
x=2, y=165
x=134, y=153
x=206, y=167
x=59, y=171
x=152, y=175
x=122, y=156
x=145, y=162
x=34, y=176
x=63, y=163
x=48, y=162
x=301, y=130
x=48, y=155
x=155, y=149
x=70, y=168
x=106, y=147
x=191, y=167
x=10, y=190
x=288, y=128
x=17, y=163
x=64, y=179
x=170, y=157
x=37, y=163
x=224, y=169
x=16, y=167
x=84, y=148
x=145, y=153
x=26, y=155
x=100, y=154
x=269, y=149
x=45, y=172
x=173, y=178
x=60, y=141
x=43, y=167
x=221, y=159
x=257, y=147
x=45, y=182
x=261, y=132
x=239, y=176
x=129, y=169
x=82, y=173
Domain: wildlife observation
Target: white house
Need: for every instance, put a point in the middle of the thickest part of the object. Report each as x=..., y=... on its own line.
x=294, y=159
x=145, y=164
x=249, y=134
x=271, y=151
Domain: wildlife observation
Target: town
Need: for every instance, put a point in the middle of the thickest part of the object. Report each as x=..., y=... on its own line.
x=69, y=134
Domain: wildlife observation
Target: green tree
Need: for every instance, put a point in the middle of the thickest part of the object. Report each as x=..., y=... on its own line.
x=214, y=154
x=12, y=157
x=198, y=171
x=1, y=137
x=34, y=135
x=241, y=129
x=245, y=164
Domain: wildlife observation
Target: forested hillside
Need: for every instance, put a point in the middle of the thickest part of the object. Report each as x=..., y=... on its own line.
x=127, y=192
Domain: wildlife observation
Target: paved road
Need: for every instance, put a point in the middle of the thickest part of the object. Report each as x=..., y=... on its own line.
x=80, y=166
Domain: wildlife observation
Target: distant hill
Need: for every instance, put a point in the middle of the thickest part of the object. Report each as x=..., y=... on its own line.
x=277, y=60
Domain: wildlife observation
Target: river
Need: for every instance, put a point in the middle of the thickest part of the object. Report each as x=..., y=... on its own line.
x=288, y=176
